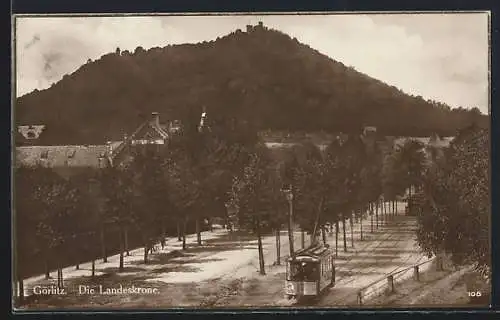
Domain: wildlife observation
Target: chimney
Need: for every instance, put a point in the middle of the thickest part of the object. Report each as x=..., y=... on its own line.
x=155, y=118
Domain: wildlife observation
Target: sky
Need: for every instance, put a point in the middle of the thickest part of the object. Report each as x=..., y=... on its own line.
x=443, y=57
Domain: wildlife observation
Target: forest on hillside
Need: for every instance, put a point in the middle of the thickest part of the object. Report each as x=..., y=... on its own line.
x=263, y=78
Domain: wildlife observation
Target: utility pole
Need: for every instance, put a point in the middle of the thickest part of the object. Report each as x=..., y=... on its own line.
x=290, y=224
x=289, y=196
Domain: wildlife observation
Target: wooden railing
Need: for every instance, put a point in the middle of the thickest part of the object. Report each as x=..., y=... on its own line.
x=387, y=283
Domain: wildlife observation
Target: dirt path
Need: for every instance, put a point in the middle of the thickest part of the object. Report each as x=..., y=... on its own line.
x=223, y=272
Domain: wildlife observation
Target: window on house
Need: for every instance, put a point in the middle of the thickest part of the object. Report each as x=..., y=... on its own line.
x=44, y=154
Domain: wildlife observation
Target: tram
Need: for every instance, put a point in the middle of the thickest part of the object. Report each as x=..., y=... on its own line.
x=310, y=272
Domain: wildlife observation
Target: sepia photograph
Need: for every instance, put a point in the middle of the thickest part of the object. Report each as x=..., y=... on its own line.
x=237, y=161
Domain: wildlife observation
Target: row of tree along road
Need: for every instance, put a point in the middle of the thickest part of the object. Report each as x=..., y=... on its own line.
x=172, y=190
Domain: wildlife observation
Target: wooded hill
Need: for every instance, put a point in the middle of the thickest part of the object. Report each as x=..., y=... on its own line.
x=263, y=77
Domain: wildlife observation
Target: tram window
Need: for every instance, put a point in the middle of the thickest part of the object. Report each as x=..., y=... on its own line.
x=305, y=271
x=312, y=274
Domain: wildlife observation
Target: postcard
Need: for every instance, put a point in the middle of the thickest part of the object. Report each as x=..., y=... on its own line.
x=214, y=161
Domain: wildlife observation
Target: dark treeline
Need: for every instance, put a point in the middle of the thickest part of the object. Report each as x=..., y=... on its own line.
x=446, y=188
x=158, y=191
x=456, y=205
x=263, y=77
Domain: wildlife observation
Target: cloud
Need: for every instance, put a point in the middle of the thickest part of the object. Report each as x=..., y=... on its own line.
x=438, y=56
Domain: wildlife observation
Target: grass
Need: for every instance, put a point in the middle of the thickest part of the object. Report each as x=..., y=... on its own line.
x=437, y=288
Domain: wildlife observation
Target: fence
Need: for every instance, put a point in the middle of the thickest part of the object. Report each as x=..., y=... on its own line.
x=387, y=283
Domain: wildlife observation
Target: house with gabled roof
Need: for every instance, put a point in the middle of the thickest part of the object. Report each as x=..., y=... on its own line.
x=30, y=132
x=68, y=159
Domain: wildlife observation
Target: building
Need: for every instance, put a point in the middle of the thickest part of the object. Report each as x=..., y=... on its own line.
x=259, y=26
x=369, y=130
x=69, y=158
x=31, y=132
x=433, y=146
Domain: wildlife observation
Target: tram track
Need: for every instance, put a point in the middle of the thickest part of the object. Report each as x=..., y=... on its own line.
x=342, y=280
x=391, y=239
x=387, y=249
x=379, y=243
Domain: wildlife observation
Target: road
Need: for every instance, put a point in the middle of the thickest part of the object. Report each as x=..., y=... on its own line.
x=389, y=248
x=392, y=249
x=223, y=272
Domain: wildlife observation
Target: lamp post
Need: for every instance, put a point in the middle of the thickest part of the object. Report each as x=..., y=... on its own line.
x=371, y=216
x=287, y=190
x=381, y=202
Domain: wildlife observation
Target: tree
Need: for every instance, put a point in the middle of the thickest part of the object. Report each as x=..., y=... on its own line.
x=90, y=216
x=410, y=163
x=455, y=216
x=347, y=163
x=334, y=200
x=58, y=202
x=289, y=173
x=278, y=212
x=25, y=223
x=213, y=156
x=251, y=194
x=312, y=187
x=118, y=192
x=371, y=181
x=392, y=184
x=149, y=188
x=184, y=187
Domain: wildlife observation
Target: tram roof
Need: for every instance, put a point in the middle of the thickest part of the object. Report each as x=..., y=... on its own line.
x=315, y=252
